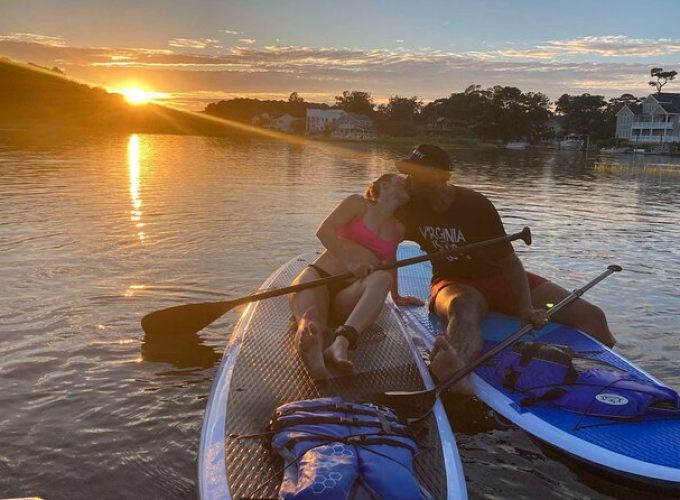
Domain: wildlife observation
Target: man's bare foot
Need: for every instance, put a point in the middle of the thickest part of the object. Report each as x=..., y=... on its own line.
x=336, y=353
x=310, y=344
x=445, y=362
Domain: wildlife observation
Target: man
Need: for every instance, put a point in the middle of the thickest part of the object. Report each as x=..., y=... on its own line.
x=464, y=288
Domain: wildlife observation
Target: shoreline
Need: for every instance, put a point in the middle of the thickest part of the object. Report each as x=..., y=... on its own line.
x=451, y=142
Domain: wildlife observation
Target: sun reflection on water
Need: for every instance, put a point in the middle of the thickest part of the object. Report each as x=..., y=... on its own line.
x=134, y=169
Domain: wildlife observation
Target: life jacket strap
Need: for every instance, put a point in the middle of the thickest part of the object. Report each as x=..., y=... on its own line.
x=280, y=424
x=355, y=440
x=377, y=411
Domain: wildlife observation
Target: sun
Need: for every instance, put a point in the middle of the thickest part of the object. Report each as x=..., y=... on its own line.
x=137, y=96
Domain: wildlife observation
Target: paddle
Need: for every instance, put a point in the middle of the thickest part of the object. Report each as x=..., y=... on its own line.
x=420, y=403
x=191, y=318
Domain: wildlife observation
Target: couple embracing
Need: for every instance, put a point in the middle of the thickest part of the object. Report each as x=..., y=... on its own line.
x=422, y=205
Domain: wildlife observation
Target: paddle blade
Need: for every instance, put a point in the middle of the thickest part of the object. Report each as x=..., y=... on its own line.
x=407, y=404
x=184, y=319
x=525, y=235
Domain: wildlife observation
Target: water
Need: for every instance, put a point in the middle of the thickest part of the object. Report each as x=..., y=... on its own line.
x=96, y=232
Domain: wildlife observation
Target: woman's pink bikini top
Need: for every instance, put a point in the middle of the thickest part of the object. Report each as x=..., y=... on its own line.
x=359, y=233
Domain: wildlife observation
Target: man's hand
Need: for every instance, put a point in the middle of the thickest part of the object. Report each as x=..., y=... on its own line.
x=537, y=317
x=407, y=300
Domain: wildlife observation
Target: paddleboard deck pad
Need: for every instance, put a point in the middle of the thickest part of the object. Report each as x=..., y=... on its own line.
x=645, y=449
x=261, y=370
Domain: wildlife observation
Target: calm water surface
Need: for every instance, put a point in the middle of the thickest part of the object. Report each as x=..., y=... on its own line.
x=96, y=232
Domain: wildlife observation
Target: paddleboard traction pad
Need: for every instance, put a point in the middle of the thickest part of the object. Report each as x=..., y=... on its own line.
x=264, y=371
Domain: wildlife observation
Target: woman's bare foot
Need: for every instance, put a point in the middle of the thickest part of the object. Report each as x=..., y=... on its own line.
x=445, y=362
x=310, y=346
x=336, y=353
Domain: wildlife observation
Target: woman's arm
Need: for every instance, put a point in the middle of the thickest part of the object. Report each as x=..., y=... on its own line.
x=354, y=256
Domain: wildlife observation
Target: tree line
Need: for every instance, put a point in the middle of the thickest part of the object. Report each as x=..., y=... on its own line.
x=503, y=113
x=31, y=94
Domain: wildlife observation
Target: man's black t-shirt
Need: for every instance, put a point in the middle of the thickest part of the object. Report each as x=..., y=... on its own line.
x=470, y=218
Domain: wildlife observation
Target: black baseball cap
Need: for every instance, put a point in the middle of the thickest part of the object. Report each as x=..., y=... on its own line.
x=425, y=155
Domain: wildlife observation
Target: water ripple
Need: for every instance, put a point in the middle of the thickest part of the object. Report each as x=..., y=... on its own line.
x=94, y=237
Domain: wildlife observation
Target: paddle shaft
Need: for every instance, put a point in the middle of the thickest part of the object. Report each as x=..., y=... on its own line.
x=191, y=318
x=466, y=370
x=524, y=234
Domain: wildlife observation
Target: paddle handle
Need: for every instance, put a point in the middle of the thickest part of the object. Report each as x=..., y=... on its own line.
x=524, y=234
x=466, y=370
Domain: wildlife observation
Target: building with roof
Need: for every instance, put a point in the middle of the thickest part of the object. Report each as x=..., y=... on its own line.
x=339, y=124
x=654, y=121
x=284, y=122
x=319, y=121
x=354, y=126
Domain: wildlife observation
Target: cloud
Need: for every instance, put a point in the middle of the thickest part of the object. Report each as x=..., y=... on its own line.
x=280, y=69
x=617, y=46
x=603, y=46
x=248, y=41
x=195, y=43
x=231, y=32
x=52, y=41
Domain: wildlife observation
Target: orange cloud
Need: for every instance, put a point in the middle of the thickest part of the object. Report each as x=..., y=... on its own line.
x=195, y=43
x=326, y=71
x=52, y=41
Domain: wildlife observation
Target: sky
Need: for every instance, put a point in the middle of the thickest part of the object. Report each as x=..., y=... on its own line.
x=195, y=52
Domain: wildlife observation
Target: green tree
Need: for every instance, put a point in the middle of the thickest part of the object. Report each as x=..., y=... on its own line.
x=583, y=114
x=295, y=98
x=616, y=103
x=510, y=114
x=536, y=116
x=402, y=108
x=504, y=113
x=662, y=78
x=355, y=102
x=469, y=105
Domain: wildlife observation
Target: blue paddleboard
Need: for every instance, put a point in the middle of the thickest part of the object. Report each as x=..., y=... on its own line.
x=646, y=449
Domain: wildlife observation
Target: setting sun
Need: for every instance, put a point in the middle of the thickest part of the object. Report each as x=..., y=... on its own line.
x=137, y=96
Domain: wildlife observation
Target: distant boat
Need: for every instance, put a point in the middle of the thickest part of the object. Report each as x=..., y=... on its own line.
x=613, y=151
x=571, y=142
x=517, y=145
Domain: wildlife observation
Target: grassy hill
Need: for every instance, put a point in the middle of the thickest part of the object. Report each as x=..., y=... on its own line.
x=33, y=97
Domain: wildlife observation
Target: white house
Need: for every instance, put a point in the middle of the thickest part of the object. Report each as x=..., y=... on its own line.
x=319, y=120
x=261, y=120
x=655, y=121
x=354, y=126
x=284, y=122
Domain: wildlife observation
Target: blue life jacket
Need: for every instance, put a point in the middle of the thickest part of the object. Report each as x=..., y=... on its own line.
x=337, y=450
x=546, y=372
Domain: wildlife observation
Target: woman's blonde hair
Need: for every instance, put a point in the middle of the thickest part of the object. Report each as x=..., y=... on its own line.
x=373, y=191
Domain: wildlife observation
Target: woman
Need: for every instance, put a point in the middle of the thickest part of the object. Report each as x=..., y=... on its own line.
x=360, y=233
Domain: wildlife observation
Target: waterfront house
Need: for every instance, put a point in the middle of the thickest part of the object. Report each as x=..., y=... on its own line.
x=261, y=120
x=318, y=121
x=284, y=123
x=655, y=121
x=354, y=126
